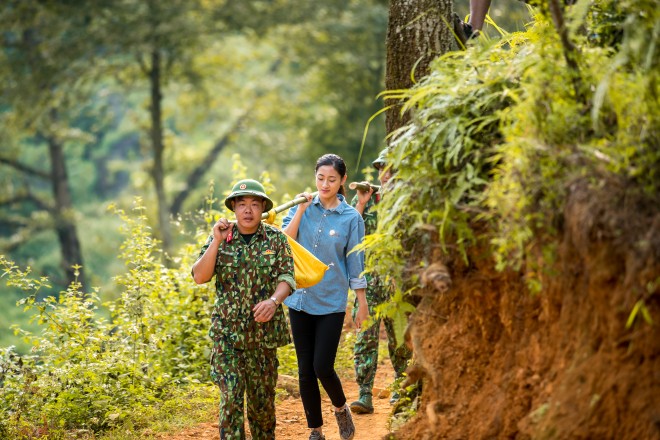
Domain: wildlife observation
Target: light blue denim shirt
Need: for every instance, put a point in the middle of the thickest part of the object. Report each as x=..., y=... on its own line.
x=330, y=234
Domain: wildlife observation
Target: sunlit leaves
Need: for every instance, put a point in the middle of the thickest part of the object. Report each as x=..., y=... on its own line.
x=639, y=309
x=498, y=134
x=90, y=372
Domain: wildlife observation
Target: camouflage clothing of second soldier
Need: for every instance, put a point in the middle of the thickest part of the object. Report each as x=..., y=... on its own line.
x=366, y=345
x=244, y=356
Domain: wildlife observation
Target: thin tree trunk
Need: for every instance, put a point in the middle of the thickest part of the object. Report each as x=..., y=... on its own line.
x=158, y=147
x=418, y=31
x=570, y=51
x=63, y=213
x=196, y=175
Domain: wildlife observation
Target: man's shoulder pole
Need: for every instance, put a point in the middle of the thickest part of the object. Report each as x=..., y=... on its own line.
x=363, y=186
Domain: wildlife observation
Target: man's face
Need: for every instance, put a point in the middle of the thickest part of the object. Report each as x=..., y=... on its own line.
x=384, y=174
x=248, y=210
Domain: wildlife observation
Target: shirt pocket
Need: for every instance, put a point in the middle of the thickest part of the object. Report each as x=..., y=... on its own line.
x=266, y=273
x=225, y=258
x=228, y=286
x=227, y=267
x=268, y=260
x=225, y=326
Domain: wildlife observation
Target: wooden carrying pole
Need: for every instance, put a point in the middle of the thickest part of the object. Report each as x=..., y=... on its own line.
x=286, y=206
x=363, y=186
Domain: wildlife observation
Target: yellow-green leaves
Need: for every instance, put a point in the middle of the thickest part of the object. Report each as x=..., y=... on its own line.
x=498, y=134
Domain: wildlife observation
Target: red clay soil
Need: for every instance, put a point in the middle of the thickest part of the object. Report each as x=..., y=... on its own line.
x=499, y=362
x=291, y=424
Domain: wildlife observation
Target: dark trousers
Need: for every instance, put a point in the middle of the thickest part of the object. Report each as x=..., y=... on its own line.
x=316, y=338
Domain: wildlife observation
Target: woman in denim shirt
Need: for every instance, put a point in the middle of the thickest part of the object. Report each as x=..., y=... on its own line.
x=329, y=228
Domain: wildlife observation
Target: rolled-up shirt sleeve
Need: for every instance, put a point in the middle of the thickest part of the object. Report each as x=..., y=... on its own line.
x=355, y=259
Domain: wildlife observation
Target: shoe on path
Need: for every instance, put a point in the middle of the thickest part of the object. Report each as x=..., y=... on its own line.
x=363, y=405
x=315, y=435
x=345, y=423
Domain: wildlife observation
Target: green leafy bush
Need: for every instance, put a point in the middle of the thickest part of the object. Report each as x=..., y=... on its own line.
x=86, y=371
x=500, y=131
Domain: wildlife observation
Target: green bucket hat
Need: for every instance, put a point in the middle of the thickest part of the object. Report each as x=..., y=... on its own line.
x=248, y=187
x=381, y=161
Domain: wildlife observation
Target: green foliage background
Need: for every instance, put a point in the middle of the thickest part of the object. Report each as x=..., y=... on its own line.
x=87, y=371
x=304, y=83
x=500, y=133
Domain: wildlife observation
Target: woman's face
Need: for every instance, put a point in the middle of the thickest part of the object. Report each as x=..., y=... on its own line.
x=328, y=181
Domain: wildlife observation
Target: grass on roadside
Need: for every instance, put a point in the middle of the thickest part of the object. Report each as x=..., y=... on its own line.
x=194, y=405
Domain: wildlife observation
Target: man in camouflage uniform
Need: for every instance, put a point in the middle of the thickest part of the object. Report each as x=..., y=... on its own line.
x=253, y=266
x=366, y=345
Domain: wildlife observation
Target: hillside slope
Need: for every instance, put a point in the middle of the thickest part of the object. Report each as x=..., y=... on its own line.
x=501, y=362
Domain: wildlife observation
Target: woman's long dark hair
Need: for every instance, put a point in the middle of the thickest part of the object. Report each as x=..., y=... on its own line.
x=337, y=163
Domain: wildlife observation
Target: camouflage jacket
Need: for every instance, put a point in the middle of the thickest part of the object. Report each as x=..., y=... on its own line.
x=246, y=274
x=369, y=215
x=370, y=218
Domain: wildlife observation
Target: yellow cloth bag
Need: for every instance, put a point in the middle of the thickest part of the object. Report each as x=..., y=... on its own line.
x=307, y=269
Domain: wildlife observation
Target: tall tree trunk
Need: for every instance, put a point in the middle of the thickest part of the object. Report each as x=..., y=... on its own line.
x=63, y=213
x=158, y=147
x=418, y=31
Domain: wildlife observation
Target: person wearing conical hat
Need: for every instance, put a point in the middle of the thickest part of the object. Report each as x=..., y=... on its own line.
x=366, y=345
x=253, y=268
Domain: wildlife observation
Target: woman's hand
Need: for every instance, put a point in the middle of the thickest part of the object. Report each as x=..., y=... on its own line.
x=304, y=205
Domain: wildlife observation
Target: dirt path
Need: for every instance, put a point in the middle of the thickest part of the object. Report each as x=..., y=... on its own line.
x=291, y=422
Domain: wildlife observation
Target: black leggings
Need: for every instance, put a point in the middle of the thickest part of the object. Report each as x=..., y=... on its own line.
x=316, y=338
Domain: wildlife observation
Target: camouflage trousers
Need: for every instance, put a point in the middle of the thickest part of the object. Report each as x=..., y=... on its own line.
x=366, y=345
x=238, y=372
